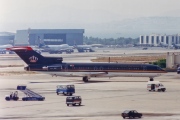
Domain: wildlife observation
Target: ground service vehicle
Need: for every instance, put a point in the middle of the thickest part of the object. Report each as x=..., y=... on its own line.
x=73, y=100
x=178, y=70
x=12, y=96
x=65, y=89
x=11, y=52
x=30, y=95
x=2, y=51
x=155, y=86
x=33, y=98
x=131, y=114
x=145, y=48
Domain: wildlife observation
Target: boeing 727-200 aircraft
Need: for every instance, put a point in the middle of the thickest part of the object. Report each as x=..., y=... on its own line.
x=56, y=67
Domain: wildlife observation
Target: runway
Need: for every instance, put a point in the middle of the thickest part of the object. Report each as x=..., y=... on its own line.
x=102, y=98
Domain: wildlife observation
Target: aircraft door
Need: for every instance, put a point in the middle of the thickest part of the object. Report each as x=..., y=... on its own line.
x=152, y=86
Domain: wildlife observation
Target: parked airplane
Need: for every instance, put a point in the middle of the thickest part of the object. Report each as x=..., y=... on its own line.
x=54, y=49
x=176, y=46
x=97, y=45
x=166, y=45
x=84, y=48
x=55, y=67
x=163, y=45
x=3, y=48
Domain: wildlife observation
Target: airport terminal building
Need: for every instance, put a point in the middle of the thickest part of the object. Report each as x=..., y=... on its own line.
x=49, y=37
x=156, y=39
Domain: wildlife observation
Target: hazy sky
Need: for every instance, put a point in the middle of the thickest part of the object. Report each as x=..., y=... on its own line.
x=59, y=14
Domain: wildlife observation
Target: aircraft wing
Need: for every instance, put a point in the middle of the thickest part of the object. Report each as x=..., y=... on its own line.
x=97, y=74
x=77, y=74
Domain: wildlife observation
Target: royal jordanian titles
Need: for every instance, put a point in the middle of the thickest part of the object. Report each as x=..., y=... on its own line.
x=56, y=67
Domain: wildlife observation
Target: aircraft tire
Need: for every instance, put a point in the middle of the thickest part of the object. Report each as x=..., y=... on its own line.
x=151, y=79
x=7, y=99
x=85, y=79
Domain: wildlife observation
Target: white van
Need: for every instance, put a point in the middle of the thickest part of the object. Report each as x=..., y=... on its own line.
x=155, y=86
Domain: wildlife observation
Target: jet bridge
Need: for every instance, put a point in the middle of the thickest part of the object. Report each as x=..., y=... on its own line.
x=30, y=95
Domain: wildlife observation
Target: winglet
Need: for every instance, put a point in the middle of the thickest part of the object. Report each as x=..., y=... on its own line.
x=19, y=48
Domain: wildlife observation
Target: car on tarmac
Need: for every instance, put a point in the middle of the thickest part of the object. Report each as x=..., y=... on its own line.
x=131, y=114
x=73, y=100
x=65, y=89
x=145, y=48
x=178, y=70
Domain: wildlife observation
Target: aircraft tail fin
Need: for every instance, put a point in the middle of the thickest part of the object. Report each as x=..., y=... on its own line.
x=28, y=55
x=31, y=57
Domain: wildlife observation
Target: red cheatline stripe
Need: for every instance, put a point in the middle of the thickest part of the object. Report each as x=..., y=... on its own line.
x=20, y=48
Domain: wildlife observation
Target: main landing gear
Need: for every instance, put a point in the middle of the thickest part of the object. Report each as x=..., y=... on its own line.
x=151, y=79
x=85, y=79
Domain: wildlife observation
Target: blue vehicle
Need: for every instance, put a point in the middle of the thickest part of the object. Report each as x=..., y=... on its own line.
x=65, y=89
x=33, y=98
x=12, y=96
x=178, y=70
x=2, y=51
x=11, y=52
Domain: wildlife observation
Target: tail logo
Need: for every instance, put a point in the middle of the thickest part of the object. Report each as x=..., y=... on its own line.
x=33, y=59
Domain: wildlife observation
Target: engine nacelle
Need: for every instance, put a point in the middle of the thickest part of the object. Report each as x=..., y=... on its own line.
x=52, y=68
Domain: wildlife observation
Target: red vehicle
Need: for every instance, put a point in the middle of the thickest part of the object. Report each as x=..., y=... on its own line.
x=73, y=100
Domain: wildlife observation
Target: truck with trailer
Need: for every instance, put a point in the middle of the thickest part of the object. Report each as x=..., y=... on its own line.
x=29, y=95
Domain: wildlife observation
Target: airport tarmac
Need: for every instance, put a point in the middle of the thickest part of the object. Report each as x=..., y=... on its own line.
x=102, y=98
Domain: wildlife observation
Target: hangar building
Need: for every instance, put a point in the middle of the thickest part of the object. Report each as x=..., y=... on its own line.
x=6, y=38
x=49, y=37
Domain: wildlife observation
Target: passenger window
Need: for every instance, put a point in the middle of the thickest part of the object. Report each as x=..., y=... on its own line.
x=135, y=111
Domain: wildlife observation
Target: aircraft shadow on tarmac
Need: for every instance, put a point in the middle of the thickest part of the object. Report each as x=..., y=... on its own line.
x=106, y=81
x=81, y=82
